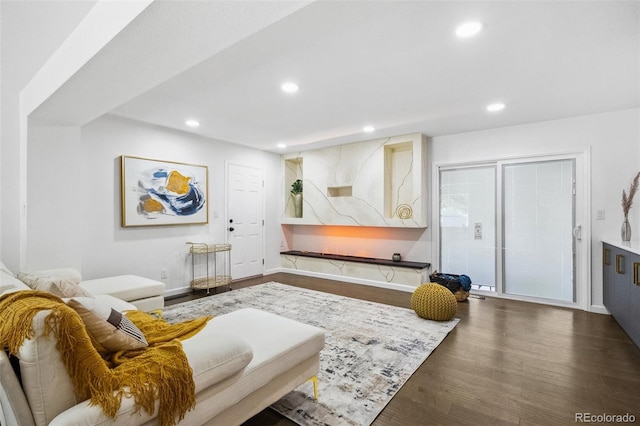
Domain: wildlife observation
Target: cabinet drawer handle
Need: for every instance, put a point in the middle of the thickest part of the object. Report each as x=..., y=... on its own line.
x=619, y=263
x=636, y=273
x=605, y=257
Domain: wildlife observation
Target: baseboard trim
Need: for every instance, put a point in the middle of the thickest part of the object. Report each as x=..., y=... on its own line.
x=177, y=292
x=599, y=309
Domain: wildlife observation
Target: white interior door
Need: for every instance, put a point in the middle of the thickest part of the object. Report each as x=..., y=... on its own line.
x=245, y=220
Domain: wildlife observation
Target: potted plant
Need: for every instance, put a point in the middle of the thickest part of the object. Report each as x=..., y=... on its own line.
x=296, y=194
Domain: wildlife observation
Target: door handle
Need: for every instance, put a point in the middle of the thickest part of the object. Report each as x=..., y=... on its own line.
x=231, y=229
x=577, y=232
x=620, y=264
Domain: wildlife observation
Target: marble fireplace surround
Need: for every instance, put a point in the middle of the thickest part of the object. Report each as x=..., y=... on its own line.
x=402, y=275
x=380, y=183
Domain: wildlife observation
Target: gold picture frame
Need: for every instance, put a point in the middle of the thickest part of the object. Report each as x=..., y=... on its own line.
x=157, y=192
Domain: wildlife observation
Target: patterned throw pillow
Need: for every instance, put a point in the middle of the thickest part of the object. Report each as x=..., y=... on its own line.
x=55, y=285
x=110, y=330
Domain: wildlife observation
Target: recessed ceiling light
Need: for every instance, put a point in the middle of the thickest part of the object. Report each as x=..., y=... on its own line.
x=282, y=145
x=289, y=87
x=368, y=129
x=498, y=106
x=192, y=123
x=469, y=29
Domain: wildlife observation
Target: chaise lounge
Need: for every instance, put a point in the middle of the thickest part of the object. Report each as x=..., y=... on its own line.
x=242, y=362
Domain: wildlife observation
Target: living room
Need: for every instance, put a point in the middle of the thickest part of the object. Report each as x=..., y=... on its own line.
x=30, y=241
x=67, y=120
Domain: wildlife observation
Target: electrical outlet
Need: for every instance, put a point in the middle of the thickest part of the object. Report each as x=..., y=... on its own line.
x=163, y=273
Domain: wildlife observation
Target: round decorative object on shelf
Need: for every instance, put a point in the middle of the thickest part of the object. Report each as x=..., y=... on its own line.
x=435, y=302
x=396, y=257
x=404, y=211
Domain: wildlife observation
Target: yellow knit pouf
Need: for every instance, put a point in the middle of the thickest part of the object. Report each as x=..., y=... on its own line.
x=435, y=302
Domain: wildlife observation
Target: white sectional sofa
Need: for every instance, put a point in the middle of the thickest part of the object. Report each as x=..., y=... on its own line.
x=145, y=294
x=242, y=362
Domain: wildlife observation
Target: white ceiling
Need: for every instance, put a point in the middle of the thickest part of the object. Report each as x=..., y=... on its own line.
x=399, y=67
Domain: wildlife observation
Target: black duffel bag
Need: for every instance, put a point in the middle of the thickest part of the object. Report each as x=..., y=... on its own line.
x=459, y=285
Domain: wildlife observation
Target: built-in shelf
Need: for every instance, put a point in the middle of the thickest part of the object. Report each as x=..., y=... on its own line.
x=292, y=172
x=358, y=259
x=365, y=270
x=381, y=182
x=398, y=182
x=339, y=191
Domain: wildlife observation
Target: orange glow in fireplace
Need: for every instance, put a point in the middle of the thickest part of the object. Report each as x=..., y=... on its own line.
x=340, y=239
x=355, y=232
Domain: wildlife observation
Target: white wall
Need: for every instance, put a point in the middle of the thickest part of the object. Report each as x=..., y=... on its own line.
x=55, y=199
x=31, y=32
x=614, y=140
x=83, y=229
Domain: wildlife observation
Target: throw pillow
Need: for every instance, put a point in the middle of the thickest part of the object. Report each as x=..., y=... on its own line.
x=109, y=329
x=5, y=270
x=69, y=274
x=55, y=285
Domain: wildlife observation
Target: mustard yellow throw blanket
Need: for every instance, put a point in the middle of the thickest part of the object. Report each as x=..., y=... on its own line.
x=157, y=372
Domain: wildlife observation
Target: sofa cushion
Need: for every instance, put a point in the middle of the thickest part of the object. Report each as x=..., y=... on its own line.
x=9, y=282
x=115, y=303
x=6, y=270
x=149, y=304
x=58, y=286
x=45, y=381
x=214, y=355
x=69, y=274
x=278, y=344
x=125, y=287
x=15, y=408
x=109, y=329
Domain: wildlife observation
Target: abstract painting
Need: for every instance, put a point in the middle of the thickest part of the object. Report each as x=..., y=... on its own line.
x=158, y=192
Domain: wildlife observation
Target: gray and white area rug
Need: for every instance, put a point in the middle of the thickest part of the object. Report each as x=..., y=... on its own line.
x=371, y=349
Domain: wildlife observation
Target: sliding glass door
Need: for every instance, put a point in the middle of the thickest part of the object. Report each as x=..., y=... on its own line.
x=509, y=225
x=538, y=222
x=468, y=224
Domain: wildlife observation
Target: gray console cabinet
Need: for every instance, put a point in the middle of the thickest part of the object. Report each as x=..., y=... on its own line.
x=621, y=286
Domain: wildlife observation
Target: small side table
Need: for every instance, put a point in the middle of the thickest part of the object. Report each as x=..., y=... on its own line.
x=221, y=270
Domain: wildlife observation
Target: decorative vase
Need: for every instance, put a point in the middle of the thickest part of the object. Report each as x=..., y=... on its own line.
x=297, y=204
x=626, y=230
x=396, y=257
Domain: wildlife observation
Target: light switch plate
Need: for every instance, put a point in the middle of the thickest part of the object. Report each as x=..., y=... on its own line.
x=477, y=231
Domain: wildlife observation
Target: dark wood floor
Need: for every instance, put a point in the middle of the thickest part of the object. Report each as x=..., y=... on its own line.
x=506, y=362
